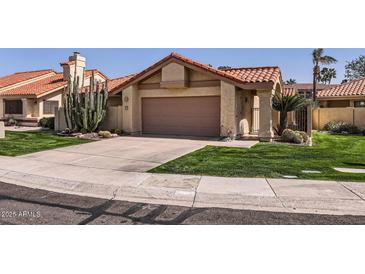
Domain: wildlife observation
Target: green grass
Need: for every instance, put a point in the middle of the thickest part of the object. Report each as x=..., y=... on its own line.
x=276, y=160
x=19, y=143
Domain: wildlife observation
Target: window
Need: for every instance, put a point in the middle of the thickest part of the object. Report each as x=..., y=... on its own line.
x=359, y=104
x=13, y=107
x=49, y=107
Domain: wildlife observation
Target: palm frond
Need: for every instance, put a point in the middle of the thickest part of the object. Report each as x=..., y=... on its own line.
x=327, y=60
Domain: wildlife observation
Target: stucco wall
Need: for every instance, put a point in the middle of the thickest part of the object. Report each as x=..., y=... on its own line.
x=229, y=119
x=115, y=101
x=322, y=116
x=113, y=118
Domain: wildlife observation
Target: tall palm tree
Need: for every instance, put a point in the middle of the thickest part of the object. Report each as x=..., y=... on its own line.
x=319, y=58
x=285, y=104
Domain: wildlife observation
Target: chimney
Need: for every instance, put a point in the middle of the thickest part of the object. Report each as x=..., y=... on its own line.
x=76, y=63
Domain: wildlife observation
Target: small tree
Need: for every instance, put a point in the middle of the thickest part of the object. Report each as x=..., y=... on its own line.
x=85, y=107
x=355, y=69
x=285, y=104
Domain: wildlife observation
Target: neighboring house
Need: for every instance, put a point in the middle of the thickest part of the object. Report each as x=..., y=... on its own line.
x=179, y=96
x=30, y=96
x=349, y=94
x=305, y=89
x=345, y=102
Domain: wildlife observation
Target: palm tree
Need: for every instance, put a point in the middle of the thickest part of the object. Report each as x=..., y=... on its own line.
x=319, y=58
x=326, y=75
x=331, y=74
x=285, y=104
x=291, y=81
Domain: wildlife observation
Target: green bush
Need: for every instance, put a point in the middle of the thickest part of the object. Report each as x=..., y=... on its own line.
x=341, y=127
x=47, y=122
x=105, y=134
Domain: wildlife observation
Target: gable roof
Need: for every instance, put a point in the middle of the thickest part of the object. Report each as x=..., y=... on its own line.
x=239, y=75
x=89, y=72
x=19, y=77
x=114, y=83
x=51, y=81
x=38, y=87
x=352, y=88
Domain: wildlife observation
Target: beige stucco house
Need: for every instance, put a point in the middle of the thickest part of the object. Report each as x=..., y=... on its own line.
x=344, y=102
x=32, y=95
x=179, y=96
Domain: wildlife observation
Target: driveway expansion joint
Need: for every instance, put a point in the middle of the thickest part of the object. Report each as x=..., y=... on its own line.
x=349, y=189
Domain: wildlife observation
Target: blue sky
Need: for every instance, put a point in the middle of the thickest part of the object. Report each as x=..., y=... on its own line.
x=294, y=63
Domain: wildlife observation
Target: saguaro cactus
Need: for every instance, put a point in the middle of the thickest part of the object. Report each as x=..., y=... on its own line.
x=85, y=107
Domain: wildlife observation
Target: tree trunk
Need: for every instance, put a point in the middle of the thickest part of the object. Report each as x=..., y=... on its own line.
x=315, y=76
x=283, y=121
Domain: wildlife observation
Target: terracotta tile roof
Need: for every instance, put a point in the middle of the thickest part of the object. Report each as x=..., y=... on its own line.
x=22, y=76
x=68, y=63
x=240, y=75
x=289, y=91
x=89, y=72
x=352, y=88
x=113, y=83
x=38, y=87
x=255, y=74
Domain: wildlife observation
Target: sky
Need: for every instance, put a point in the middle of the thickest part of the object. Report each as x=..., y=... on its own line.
x=294, y=63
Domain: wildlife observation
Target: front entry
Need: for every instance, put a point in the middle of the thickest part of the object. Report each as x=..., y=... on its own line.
x=189, y=116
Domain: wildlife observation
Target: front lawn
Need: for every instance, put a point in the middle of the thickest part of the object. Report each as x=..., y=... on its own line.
x=276, y=160
x=19, y=143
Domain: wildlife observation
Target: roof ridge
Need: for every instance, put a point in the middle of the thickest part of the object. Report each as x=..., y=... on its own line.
x=258, y=67
x=192, y=62
x=120, y=77
x=34, y=71
x=351, y=81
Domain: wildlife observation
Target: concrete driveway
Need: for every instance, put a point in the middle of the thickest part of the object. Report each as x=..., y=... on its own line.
x=128, y=153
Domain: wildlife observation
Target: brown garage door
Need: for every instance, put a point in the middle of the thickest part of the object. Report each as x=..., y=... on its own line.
x=191, y=116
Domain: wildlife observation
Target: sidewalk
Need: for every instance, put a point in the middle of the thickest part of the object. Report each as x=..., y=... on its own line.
x=280, y=195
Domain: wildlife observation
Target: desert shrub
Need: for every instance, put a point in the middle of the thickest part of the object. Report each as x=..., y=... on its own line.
x=341, y=127
x=304, y=135
x=47, y=122
x=292, y=136
x=12, y=122
x=105, y=134
x=119, y=131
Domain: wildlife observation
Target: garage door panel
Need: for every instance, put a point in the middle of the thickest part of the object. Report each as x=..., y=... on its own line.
x=196, y=116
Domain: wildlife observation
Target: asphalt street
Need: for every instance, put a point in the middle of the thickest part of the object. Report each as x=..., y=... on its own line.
x=22, y=205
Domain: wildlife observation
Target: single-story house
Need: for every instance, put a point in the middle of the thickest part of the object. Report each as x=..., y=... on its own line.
x=344, y=102
x=31, y=95
x=179, y=96
x=176, y=96
x=349, y=94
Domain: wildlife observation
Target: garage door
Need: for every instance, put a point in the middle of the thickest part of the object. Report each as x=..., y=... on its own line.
x=191, y=116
